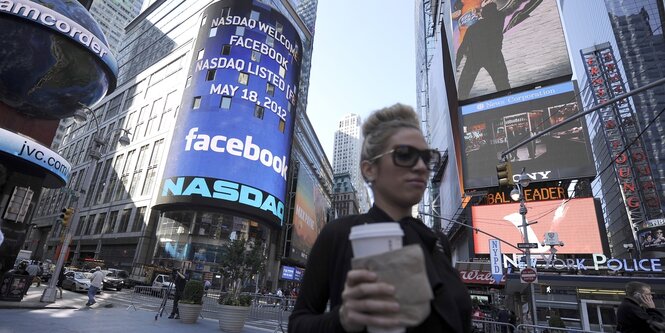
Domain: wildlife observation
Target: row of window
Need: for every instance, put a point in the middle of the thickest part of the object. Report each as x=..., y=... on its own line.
x=113, y=184
x=117, y=222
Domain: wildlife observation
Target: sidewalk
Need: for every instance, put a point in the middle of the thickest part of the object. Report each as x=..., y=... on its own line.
x=69, y=300
x=70, y=314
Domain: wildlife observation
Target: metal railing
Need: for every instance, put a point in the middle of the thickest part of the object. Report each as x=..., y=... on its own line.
x=526, y=328
x=264, y=307
x=488, y=326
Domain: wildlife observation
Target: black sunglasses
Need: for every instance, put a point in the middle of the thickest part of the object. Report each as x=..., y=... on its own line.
x=408, y=156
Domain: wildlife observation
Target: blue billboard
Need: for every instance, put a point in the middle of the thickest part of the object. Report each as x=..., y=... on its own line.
x=232, y=139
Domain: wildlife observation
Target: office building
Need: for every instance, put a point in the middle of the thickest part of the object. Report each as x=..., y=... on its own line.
x=466, y=113
x=344, y=195
x=346, y=155
x=120, y=223
x=113, y=16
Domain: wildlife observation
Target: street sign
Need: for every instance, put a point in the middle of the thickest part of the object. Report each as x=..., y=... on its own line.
x=495, y=260
x=527, y=245
x=529, y=275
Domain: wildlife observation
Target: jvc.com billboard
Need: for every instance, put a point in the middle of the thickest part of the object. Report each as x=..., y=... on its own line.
x=231, y=143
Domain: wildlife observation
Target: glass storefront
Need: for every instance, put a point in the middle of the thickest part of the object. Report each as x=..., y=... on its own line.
x=193, y=240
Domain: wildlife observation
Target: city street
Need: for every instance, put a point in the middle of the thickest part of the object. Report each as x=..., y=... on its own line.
x=112, y=313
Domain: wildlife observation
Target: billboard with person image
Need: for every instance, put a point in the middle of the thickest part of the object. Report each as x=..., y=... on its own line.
x=499, y=45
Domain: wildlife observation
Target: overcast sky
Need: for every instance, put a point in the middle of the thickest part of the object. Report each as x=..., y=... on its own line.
x=363, y=60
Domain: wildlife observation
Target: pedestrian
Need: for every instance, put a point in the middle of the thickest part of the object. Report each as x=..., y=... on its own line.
x=637, y=312
x=33, y=271
x=206, y=286
x=61, y=277
x=179, y=281
x=503, y=316
x=95, y=284
x=556, y=321
x=396, y=163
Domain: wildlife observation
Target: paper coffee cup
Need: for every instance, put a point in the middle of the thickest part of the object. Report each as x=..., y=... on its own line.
x=375, y=238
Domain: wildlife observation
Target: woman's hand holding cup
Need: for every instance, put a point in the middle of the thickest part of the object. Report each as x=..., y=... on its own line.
x=367, y=302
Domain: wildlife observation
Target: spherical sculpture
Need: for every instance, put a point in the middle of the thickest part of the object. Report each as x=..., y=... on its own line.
x=53, y=56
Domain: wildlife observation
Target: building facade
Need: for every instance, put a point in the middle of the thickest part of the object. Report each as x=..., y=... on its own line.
x=459, y=205
x=344, y=195
x=113, y=16
x=119, y=224
x=346, y=155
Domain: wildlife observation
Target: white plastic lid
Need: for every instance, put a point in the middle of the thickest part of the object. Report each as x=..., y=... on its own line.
x=370, y=230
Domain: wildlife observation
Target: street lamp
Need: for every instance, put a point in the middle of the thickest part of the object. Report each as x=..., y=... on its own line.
x=79, y=116
x=518, y=194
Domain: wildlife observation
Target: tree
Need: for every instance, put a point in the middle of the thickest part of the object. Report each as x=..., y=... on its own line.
x=241, y=260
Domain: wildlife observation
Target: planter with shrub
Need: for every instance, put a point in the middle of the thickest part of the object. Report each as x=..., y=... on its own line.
x=191, y=303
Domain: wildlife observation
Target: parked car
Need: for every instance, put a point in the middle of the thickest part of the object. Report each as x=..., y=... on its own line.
x=115, y=278
x=77, y=281
x=162, y=284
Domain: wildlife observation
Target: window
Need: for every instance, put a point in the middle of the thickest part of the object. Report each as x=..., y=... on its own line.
x=157, y=108
x=225, y=103
x=124, y=220
x=188, y=82
x=203, y=20
x=270, y=89
x=79, y=227
x=114, y=107
x=110, y=225
x=258, y=111
x=243, y=78
x=138, y=223
x=101, y=182
x=270, y=41
x=226, y=49
x=256, y=56
x=138, y=129
x=211, y=74
x=114, y=178
x=240, y=31
x=137, y=170
x=121, y=191
x=282, y=125
x=282, y=71
x=213, y=32
x=279, y=27
x=152, y=167
x=254, y=15
x=199, y=55
x=196, y=103
x=88, y=225
x=100, y=223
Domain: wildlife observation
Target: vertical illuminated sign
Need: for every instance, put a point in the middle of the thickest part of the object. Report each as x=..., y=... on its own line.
x=495, y=260
x=232, y=139
x=619, y=124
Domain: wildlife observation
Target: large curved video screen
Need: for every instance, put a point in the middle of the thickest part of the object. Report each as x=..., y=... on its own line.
x=232, y=140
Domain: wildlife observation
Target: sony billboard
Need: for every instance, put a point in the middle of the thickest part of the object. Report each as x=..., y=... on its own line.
x=492, y=126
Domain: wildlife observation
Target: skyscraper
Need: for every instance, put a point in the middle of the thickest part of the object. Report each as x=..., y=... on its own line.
x=113, y=16
x=158, y=60
x=346, y=155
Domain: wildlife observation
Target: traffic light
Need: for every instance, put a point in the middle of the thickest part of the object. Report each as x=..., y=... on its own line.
x=504, y=172
x=66, y=215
